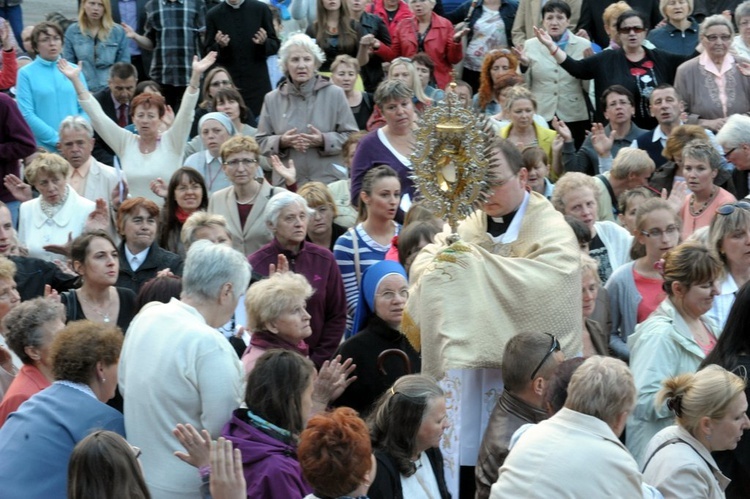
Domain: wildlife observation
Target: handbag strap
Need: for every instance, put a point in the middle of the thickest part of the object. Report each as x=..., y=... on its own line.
x=355, y=247
x=670, y=442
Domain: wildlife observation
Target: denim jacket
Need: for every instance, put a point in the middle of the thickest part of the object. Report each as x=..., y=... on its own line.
x=97, y=56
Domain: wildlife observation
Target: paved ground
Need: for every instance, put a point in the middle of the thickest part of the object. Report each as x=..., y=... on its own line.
x=35, y=10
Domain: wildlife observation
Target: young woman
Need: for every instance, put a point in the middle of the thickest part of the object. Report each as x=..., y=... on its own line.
x=215, y=79
x=369, y=241
x=96, y=43
x=635, y=289
x=334, y=32
x=186, y=194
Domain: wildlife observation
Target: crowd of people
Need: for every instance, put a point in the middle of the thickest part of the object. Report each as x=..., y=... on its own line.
x=219, y=277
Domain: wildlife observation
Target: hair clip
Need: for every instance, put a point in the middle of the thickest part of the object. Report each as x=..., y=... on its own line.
x=674, y=404
x=659, y=266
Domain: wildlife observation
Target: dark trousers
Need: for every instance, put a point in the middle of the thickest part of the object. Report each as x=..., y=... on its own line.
x=173, y=95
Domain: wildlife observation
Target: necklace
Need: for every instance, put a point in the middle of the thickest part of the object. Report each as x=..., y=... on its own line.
x=249, y=201
x=103, y=311
x=698, y=212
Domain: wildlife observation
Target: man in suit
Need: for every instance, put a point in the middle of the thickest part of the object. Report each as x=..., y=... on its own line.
x=115, y=102
x=734, y=137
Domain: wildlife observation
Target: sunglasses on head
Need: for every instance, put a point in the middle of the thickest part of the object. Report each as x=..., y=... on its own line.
x=728, y=209
x=554, y=347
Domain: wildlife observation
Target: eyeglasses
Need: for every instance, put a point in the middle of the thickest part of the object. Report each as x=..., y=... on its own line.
x=728, y=209
x=221, y=83
x=242, y=161
x=554, y=347
x=727, y=153
x=635, y=29
x=391, y=295
x=723, y=38
x=671, y=230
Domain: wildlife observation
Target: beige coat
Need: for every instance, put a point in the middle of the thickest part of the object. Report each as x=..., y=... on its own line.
x=556, y=91
x=529, y=14
x=318, y=103
x=255, y=233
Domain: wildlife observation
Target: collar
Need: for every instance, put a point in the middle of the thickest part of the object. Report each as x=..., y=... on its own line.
x=708, y=64
x=235, y=6
x=511, y=234
x=210, y=159
x=671, y=28
x=81, y=387
x=728, y=285
x=517, y=407
x=117, y=103
x=83, y=170
x=139, y=257
x=45, y=62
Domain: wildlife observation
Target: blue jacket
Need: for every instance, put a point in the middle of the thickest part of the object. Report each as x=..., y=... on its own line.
x=36, y=441
x=98, y=56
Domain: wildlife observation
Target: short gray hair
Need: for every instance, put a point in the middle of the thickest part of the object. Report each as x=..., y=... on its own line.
x=210, y=266
x=198, y=220
x=602, y=387
x=702, y=150
x=24, y=324
x=390, y=90
x=735, y=132
x=716, y=20
x=77, y=124
x=300, y=40
x=280, y=201
x=742, y=10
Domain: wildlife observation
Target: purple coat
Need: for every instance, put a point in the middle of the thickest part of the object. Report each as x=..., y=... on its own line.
x=270, y=466
x=327, y=306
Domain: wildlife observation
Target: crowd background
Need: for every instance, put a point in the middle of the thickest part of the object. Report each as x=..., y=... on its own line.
x=218, y=277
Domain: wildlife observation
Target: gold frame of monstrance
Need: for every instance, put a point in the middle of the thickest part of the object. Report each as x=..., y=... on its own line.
x=449, y=159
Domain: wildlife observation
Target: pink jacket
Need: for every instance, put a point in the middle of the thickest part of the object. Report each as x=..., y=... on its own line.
x=438, y=44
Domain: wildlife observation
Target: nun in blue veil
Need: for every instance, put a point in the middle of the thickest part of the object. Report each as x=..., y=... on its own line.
x=379, y=349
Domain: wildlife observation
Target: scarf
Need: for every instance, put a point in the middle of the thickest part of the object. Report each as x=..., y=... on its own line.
x=268, y=340
x=563, y=41
x=182, y=215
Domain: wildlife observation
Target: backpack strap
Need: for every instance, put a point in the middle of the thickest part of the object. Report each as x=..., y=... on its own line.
x=611, y=191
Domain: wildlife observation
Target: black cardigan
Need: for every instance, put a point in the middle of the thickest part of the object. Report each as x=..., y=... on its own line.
x=611, y=67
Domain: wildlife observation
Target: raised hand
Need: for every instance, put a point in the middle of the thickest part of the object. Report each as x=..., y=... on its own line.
x=18, y=189
x=288, y=173
x=227, y=478
x=333, y=378
x=99, y=218
x=5, y=42
x=562, y=129
x=677, y=197
x=197, y=444
x=61, y=249
x=520, y=53
x=129, y=31
x=460, y=33
x=159, y=187
x=69, y=70
x=544, y=38
x=201, y=65
x=601, y=142
x=282, y=266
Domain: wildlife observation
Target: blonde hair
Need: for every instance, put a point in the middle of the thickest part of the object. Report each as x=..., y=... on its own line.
x=48, y=163
x=198, y=220
x=591, y=266
x=630, y=160
x=614, y=11
x=690, y=263
x=570, y=182
x=416, y=88
x=7, y=268
x=107, y=22
x=267, y=300
x=663, y=7
x=602, y=387
x=706, y=393
x=318, y=194
x=237, y=144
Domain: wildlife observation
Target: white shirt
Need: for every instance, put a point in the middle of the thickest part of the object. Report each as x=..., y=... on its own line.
x=423, y=483
x=136, y=260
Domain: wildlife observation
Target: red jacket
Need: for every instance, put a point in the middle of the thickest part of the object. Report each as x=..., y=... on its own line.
x=438, y=44
x=403, y=12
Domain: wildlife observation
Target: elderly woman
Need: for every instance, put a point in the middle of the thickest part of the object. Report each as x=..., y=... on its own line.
x=638, y=69
x=203, y=225
x=186, y=194
x=9, y=299
x=732, y=352
x=378, y=321
x=287, y=218
x=700, y=165
x=729, y=237
x=322, y=229
x=311, y=135
x=636, y=288
x=680, y=33
x=278, y=402
x=215, y=129
x=42, y=433
x=674, y=339
x=335, y=454
x=406, y=427
x=344, y=71
x=741, y=42
x=496, y=64
x=595, y=338
x=58, y=214
x=150, y=153
x=45, y=97
x=30, y=329
x=558, y=93
x=712, y=85
x=140, y=256
x=244, y=202
x=430, y=33
x=94, y=257
x=576, y=194
x=391, y=145
x=710, y=408
x=96, y=42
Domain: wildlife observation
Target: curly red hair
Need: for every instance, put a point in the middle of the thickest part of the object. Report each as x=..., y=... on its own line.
x=335, y=452
x=486, y=88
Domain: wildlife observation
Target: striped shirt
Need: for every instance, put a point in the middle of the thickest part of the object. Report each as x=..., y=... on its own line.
x=174, y=27
x=370, y=253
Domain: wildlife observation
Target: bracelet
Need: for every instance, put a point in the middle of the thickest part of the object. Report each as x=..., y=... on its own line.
x=555, y=51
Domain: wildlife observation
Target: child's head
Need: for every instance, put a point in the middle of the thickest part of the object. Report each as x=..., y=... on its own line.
x=535, y=160
x=628, y=203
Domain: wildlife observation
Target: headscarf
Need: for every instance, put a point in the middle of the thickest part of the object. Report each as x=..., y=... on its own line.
x=371, y=279
x=221, y=118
